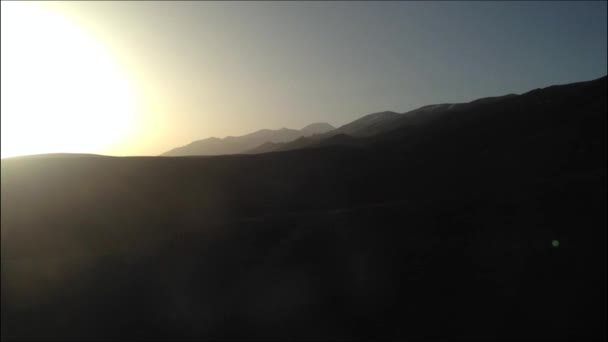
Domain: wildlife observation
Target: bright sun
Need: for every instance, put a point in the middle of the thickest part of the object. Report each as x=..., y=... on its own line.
x=61, y=91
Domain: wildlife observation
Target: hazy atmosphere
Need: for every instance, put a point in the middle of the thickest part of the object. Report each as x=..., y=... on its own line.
x=151, y=76
x=310, y=171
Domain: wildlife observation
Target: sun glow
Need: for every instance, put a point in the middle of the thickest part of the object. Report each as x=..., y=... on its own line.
x=61, y=90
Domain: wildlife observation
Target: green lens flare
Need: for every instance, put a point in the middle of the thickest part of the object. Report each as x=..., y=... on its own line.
x=555, y=243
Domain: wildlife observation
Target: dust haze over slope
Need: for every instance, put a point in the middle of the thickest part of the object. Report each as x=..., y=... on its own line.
x=234, y=145
x=434, y=229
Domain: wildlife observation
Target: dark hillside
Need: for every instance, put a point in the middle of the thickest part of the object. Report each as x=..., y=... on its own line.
x=439, y=230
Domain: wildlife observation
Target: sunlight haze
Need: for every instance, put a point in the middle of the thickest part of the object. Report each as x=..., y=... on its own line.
x=140, y=78
x=61, y=92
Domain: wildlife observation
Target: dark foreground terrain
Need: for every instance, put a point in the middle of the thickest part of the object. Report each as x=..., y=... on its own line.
x=435, y=230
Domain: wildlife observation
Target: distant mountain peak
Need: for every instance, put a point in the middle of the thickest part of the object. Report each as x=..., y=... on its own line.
x=387, y=114
x=318, y=124
x=317, y=128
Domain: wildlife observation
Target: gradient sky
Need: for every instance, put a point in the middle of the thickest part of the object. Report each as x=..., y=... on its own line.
x=218, y=69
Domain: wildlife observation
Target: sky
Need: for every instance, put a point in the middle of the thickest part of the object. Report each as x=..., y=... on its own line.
x=201, y=69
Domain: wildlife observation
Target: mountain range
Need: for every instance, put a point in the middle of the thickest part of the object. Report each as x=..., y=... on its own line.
x=233, y=145
x=318, y=134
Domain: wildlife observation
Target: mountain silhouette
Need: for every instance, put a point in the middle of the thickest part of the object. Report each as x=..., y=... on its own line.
x=316, y=128
x=441, y=225
x=365, y=126
x=381, y=122
x=239, y=144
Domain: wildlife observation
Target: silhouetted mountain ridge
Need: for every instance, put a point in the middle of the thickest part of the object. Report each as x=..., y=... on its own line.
x=240, y=144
